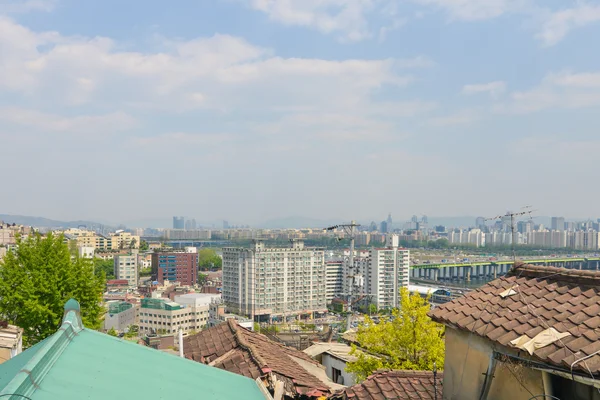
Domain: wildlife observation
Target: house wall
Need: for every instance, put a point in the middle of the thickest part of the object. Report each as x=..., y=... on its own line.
x=464, y=371
x=330, y=362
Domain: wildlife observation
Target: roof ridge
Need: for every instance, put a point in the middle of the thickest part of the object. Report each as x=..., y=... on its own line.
x=580, y=277
x=241, y=340
x=28, y=379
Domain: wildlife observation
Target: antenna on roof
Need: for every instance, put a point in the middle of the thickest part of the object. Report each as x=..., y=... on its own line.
x=526, y=210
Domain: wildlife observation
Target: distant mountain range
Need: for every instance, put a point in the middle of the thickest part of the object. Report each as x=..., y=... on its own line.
x=45, y=222
x=277, y=223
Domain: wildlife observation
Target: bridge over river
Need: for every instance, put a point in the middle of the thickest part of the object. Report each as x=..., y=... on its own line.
x=492, y=269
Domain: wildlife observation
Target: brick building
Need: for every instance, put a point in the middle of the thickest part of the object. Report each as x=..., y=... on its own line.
x=176, y=267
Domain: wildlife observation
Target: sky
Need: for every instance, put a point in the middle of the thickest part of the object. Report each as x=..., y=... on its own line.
x=249, y=110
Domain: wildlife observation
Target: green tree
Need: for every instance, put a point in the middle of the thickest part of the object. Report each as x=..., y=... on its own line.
x=202, y=278
x=208, y=259
x=408, y=340
x=104, y=268
x=112, y=332
x=38, y=278
x=144, y=246
x=372, y=309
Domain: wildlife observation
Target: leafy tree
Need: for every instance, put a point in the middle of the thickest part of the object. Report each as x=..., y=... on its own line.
x=208, y=259
x=104, y=268
x=372, y=309
x=202, y=278
x=408, y=340
x=145, y=272
x=38, y=278
x=112, y=332
x=144, y=246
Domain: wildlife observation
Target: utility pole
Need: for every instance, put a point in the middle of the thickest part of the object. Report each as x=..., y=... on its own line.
x=352, y=272
x=512, y=216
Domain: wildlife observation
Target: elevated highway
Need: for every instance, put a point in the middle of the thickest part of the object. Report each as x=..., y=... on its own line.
x=492, y=269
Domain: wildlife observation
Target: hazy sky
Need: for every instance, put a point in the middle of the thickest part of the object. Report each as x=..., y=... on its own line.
x=257, y=109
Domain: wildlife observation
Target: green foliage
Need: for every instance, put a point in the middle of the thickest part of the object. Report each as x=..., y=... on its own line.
x=38, y=278
x=208, y=259
x=146, y=272
x=132, y=332
x=372, y=309
x=112, y=332
x=144, y=246
x=409, y=340
x=202, y=278
x=104, y=268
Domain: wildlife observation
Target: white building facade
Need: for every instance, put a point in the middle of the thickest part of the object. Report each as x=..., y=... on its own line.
x=273, y=282
x=126, y=268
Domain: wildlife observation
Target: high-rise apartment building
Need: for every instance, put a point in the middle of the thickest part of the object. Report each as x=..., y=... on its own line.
x=270, y=282
x=178, y=223
x=335, y=279
x=380, y=273
x=126, y=267
x=176, y=266
x=480, y=223
x=557, y=224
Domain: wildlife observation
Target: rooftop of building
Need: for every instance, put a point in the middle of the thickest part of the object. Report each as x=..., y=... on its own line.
x=10, y=337
x=550, y=314
x=78, y=363
x=236, y=349
x=398, y=385
x=337, y=350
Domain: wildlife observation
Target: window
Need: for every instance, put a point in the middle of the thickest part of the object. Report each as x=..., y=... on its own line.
x=336, y=375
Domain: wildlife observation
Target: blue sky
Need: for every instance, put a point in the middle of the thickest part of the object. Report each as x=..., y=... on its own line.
x=257, y=109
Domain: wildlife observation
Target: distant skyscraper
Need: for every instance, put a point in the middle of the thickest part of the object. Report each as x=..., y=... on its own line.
x=373, y=226
x=414, y=218
x=225, y=224
x=480, y=223
x=178, y=223
x=190, y=224
x=558, y=224
x=389, y=223
x=384, y=227
x=424, y=219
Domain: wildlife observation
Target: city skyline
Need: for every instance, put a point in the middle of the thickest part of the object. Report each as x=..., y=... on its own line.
x=254, y=110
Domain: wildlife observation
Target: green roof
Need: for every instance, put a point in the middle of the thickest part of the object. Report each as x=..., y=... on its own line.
x=78, y=363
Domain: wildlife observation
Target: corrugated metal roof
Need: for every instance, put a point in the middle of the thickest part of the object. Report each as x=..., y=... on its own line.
x=77, y=363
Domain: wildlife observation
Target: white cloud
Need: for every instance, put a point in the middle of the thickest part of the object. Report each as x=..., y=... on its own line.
x=464, y=117
x=495, y=88
x=563, y=90
x=558, y=24
x=25, y=6
x=347, y=18
x=472, y=10
x=83, y=124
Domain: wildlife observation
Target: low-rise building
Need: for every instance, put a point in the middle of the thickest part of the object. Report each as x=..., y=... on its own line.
x=533, y=332
x=217, y=314
x=120, y=316
x=162, y=316
x=335, y=358
x=11, y=341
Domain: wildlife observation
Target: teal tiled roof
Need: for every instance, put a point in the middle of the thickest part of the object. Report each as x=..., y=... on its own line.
x=78, y=363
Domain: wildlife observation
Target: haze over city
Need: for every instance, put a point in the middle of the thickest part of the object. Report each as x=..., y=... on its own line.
x=253, y=110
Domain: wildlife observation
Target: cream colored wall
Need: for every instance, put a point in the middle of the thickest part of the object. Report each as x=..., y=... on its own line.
x=505, y=385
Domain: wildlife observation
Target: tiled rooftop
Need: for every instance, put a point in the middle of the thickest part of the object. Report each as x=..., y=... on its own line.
x=541, y=298
x=400, y=385
x=236, y=349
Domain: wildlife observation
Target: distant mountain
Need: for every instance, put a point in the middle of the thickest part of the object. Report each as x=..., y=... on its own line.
x=299, y=222
x=45, y=222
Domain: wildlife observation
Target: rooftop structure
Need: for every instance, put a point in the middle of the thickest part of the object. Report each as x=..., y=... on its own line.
x=11, y=341
x=398, y=385
x=545, y=319
x=231, y=347
x=78, y=363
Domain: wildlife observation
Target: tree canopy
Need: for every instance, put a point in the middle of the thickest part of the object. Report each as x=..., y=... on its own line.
x=408, y=340
x=37, y=279
x=209, y=259
x=106, y=267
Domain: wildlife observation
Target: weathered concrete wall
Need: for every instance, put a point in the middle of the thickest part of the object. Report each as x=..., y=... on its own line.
x=464, y=371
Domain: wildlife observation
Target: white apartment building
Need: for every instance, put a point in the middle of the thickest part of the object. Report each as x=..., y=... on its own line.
x=272, y=282
x=380, y=273
x=163, y=316
x=126, y=267
x=334, y=271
